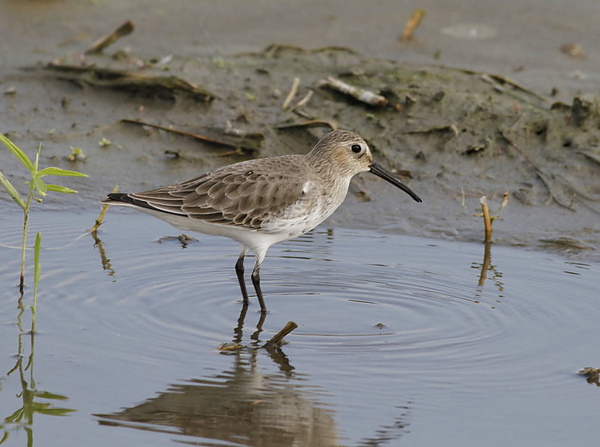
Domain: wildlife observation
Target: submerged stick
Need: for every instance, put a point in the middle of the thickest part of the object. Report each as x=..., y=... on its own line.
x=278, y=337
x=125, y=29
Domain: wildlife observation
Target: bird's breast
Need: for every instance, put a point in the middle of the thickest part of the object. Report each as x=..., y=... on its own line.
x=316, y=203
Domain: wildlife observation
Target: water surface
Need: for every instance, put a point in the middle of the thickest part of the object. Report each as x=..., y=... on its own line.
x=401, y=341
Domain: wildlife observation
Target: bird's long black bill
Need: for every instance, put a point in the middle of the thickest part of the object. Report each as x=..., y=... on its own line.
x=388, y=176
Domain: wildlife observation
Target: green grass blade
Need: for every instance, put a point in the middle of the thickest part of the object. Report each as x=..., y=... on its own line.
x=55, y=411
x=11, y=190
x=40, y=185
x=36, y=163
x=21, y=156
x=58, y=188
x=49, y=395
x=61, y=172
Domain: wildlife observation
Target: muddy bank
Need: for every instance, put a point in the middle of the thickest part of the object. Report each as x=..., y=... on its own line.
x=453, y=134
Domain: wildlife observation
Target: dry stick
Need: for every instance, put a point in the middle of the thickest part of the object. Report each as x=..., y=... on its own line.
x=291, y=93
x=310, y=123
x=205, y=138
x=278, y=337
x=499, y=79
x=101, y=44
x=450, y=128
x=362, y=95
x=159, y=86
x=303, y=101
x=412, y=24
x=495, y=77
x=487, y=222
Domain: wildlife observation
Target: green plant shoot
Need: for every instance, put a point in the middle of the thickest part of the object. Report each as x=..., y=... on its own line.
x=38, y=189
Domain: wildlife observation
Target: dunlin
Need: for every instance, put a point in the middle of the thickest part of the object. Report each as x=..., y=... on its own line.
x=261, y=202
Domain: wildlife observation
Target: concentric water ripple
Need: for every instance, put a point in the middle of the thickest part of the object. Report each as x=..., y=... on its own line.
x=398, y=318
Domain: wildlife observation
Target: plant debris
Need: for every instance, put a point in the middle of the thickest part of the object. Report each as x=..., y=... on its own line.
x=592, y=375
x=164, y=87
x=489, y=219
x=250, y=141
x=362, y=95
x=277, y=339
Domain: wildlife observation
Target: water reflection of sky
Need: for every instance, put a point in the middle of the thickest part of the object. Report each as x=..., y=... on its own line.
x=400, y=340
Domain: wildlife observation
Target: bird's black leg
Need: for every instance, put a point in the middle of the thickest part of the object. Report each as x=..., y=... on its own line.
x=256, y=281
x=239, y=270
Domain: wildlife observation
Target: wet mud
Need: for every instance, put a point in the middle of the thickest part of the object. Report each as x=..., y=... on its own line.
x=455, y=135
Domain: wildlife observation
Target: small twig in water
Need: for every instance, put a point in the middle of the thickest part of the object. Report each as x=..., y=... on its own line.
x=103, y=211
x=487, y=218
x=278, y=337
x=487, y=222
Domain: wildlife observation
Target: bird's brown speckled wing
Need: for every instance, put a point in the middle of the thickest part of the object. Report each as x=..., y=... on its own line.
x=244, y=194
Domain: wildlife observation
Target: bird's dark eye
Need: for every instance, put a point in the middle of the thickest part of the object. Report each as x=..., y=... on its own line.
x=356, y=148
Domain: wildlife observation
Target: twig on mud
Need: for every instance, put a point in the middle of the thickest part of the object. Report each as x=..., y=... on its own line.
x=450, y=128
x=412, y=24
x=311, y=123
x=291, y=94
x=159, y=86
x=248, y=141
x=497, y=80
x=362, y=95
x=504, y=80
x=303, y=101
x=278, y=337
x=123, y=30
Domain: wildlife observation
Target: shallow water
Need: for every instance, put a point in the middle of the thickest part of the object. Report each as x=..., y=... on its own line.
x=401, y=341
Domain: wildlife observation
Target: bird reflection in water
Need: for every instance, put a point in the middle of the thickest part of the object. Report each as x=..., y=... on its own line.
x=244, y=404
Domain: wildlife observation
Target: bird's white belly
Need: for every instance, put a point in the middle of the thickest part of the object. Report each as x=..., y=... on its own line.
x=305, y=214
